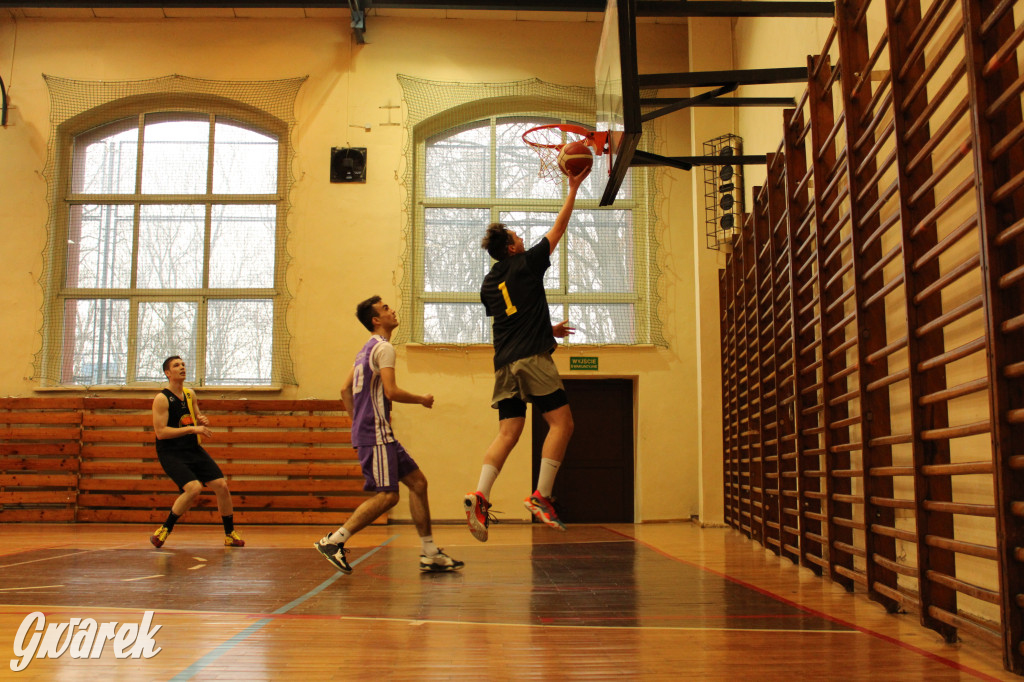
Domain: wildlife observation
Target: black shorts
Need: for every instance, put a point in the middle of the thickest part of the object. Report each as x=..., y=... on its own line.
x=189, y=464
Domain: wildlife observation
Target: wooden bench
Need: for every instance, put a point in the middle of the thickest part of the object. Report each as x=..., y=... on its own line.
x=94, y=460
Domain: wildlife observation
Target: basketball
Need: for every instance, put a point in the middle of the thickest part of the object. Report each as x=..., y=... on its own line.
x=574, y=158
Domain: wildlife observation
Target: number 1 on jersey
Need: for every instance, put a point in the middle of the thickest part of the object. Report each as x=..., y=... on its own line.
x=509, y=308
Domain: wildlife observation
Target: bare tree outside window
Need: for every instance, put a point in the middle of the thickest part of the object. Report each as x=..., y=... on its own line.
x=483, y=172
x=171, y=250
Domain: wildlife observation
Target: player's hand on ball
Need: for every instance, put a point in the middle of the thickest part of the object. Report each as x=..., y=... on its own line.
x=562, y=329
x=576, y=179
x=428, y=401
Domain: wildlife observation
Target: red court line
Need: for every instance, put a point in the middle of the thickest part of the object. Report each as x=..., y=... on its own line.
x=867, y=631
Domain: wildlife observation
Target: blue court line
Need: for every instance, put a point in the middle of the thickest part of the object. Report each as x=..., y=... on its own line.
x=227, y=646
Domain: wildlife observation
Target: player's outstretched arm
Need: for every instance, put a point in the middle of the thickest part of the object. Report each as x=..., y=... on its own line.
x=400, y=395
x=562, y=221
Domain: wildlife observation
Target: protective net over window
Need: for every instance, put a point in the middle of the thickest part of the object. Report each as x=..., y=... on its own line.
x=467, y=166
x=167, y=231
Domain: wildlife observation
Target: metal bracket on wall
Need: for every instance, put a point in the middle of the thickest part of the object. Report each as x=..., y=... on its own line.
x=358, y=21
x=3, y=104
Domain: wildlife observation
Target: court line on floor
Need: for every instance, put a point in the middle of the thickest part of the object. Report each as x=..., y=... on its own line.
x=33, y=549
x=425, y=621
x=62, y=556
x=859, y=628
x=194, y=669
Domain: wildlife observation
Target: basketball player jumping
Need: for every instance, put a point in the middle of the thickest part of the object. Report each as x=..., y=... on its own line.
x=524, y=338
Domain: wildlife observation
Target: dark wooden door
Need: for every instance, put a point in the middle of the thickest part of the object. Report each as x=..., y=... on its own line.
x=595, y=482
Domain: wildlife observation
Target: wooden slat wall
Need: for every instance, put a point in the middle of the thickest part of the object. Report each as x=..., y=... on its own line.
x=39, y=458
x=93, y=459
x=872, y=307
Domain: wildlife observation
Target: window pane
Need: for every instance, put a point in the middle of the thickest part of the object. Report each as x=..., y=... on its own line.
x=603, y=323
x=600, y=252
x=165, y=329
x=171, y=247
x=531, y=226
x=104, y=159
x=175, y=154
x=453, y=259
x=455, y=323
x=239, y=341
x=242, y=246
x=100, y=246
x=95, y=341
x=244, y=161
x=459, y=164
x=519, y=165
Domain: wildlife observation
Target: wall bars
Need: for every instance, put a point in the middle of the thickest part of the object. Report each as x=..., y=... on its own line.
x=873, y=323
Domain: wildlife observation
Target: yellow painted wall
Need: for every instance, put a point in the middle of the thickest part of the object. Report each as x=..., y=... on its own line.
x=346, y=240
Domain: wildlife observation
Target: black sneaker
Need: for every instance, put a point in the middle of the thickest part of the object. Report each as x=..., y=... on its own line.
x=333, y=553
x=439, y=563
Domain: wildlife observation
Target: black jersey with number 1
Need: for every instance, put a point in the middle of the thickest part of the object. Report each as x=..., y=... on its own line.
x=513, y=293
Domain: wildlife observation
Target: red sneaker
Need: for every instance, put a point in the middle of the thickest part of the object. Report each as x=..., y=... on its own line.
x=478, y=515
x=542, y=508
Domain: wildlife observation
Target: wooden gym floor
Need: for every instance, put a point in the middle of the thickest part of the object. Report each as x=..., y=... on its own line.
x=658, y=601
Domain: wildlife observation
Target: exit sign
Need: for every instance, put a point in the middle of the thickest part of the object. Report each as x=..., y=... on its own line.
x=581, y=362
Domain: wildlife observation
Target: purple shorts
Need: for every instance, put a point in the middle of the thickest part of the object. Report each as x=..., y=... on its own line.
x=385, y=465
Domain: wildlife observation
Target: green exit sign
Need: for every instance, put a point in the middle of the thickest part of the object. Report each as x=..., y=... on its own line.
x=581, y=362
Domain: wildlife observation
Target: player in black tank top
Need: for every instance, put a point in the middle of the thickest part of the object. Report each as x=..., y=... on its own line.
x=513, y=293
x=178, y=425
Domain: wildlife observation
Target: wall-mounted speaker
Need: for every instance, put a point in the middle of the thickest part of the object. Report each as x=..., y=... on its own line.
x=348, y=164
x=723, y=191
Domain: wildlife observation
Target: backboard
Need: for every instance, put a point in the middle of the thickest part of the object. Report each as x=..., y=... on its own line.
x=618, y=94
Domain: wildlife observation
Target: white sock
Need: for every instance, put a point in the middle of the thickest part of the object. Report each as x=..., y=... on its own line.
x=488, y=475
x=340, y=536
x=429, y=548
x=546, y=478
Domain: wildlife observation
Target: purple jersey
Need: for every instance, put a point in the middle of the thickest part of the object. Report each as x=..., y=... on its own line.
x=371, y=410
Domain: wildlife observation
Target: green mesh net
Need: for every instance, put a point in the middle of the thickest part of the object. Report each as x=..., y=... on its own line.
x=466, y=165
x=167, y=231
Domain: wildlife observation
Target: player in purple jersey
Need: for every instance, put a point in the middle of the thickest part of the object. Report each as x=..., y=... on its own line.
x=368, y=393
x=524, y=338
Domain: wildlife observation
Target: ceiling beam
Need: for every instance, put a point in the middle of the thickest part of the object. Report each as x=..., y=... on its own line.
x=645, y=8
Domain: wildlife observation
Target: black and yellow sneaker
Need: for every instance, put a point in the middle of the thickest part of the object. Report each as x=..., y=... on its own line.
x=159, y=536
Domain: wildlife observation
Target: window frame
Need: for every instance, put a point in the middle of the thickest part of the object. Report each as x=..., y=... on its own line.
x=57, y=291
x=642, y=295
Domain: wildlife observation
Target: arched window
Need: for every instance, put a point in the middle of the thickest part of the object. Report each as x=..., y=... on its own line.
x=468, y=176
x=170, y=242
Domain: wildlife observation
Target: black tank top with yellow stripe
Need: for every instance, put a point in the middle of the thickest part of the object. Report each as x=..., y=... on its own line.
x=177, y=416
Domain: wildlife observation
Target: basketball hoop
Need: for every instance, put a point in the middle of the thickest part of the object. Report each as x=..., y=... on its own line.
x=548, y=140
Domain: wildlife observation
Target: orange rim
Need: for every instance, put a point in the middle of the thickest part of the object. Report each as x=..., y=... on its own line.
x=586, y=136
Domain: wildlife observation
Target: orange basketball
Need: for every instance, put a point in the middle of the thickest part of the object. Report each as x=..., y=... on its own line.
x=574, y=158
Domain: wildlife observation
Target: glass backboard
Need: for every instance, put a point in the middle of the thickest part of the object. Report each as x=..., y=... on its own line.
x=618, y=94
